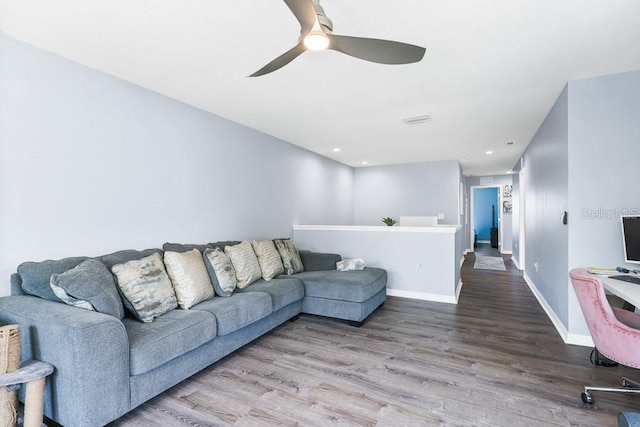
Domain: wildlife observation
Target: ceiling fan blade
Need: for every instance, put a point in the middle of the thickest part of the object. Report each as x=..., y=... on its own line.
x=304, y=12
x=281, y=60
x=375, y=50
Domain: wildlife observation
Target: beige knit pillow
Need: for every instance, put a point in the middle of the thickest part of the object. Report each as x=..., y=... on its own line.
x=245, y=263
x=268, y=259
x=189, y=277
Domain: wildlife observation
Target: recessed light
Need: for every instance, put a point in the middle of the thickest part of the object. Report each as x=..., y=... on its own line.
x=365, y=162
x=336, y=150
x=489, y=152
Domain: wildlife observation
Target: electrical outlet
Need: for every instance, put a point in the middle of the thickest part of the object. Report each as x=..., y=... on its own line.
x=440, y=216
x=535, y=265
x=418, y=268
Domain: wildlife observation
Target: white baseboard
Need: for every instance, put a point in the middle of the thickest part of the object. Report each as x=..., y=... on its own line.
x=583, y=340
x=461, y=261
x=423, y=295
x=484, y=241
x=458, y=291
x=515, y=262
x=506, y=252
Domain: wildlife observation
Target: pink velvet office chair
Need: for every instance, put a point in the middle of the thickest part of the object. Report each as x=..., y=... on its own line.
x=615, y=332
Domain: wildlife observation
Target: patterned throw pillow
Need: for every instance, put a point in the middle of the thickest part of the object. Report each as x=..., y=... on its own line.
x=189, y=277
x=290, y=256
x=89, y=285
x=145, y=287
x=245, y=263
x=221, y=271
x=268, y=258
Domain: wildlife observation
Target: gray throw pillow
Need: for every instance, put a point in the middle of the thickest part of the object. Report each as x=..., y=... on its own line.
x=290, y=256
x=221, y=271
x=90, y=285
x=36, y=276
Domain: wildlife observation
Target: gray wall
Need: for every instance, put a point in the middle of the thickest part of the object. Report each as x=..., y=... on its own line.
x=90, y=164
x=515, y=218
x=407, y=190
x=604, y=171
x=583, y=159
x=546, y=161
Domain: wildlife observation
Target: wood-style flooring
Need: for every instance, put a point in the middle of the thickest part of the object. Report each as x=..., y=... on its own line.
x=494, y=359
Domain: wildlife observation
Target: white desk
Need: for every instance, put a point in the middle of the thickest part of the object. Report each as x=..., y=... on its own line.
x=629, y=292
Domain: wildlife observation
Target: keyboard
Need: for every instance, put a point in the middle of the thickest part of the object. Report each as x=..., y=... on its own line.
x=625, y=278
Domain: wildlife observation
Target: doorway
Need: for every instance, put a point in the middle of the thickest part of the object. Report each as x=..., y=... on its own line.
x=486, y=235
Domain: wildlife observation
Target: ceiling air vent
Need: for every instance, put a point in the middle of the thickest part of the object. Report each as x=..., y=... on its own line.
x=416, y=119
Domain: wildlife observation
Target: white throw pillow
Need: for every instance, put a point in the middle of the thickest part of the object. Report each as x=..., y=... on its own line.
x=245, y=263
x=189, y=277
x=145, y=286
x=350, y=264
x=268, y=259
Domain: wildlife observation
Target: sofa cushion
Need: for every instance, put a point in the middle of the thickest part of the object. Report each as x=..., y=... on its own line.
x=315, y=261
x=184, y=247
x=283, y=291
x=237, y=311
x=268, y=258
x=224, y=243
x=36, y=276
x=354, y=286
x=169, y=336
x=245, y=263
x=126, y=255
x=145, y=287
x=221, y=271
x=290, y=256
x=189, y=277
x=89, y=285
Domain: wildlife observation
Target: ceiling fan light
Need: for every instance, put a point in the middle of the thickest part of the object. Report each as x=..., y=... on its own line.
x=316, y=40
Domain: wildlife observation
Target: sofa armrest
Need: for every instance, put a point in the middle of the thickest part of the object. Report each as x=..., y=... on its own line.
x=317, y=261
x=89, y=352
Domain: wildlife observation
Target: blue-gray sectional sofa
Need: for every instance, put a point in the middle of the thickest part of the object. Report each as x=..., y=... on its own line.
x=105, y=366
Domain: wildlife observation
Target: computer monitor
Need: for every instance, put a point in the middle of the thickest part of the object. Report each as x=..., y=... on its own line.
x=631, y=238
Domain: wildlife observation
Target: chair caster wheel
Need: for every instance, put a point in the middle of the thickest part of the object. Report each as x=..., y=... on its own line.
x=625, y=383
x=587, y=399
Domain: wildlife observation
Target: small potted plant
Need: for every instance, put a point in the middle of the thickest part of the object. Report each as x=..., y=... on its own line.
x=389, y=221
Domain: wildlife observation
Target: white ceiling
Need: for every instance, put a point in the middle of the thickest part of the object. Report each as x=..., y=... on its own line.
x=491, y=72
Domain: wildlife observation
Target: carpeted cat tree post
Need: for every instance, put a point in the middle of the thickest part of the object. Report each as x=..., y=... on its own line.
x=9, y=362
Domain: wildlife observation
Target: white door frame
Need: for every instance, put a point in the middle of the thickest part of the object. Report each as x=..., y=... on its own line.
x=498, y=213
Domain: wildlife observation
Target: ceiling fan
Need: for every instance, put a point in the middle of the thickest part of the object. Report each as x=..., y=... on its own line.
x=316, y=33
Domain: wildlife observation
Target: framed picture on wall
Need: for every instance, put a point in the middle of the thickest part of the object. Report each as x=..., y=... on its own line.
x=507, y=207
x=508, y=189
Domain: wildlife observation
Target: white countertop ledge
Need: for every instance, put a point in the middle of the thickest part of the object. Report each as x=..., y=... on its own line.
x=444, y=228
